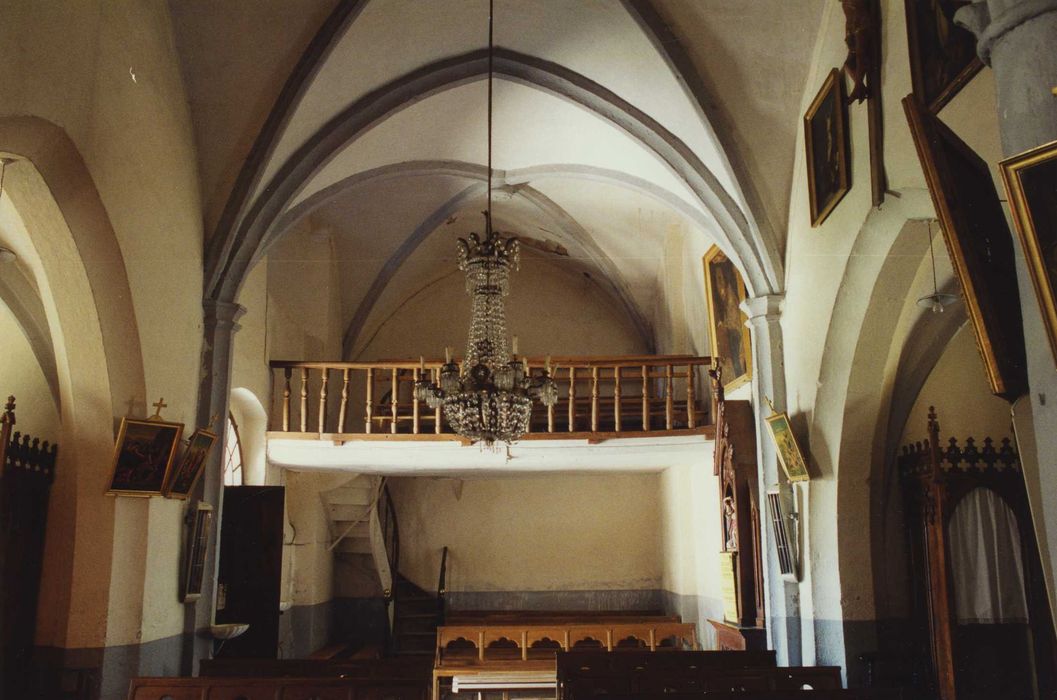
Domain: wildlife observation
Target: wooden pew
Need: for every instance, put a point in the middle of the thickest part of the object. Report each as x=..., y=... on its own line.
x=470, y=651
x=548, y=617
x=401, y=668
x=275, y=689
x=850, y=694
x=588, y=676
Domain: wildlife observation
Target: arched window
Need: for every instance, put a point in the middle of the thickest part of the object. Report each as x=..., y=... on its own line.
x=232, y=454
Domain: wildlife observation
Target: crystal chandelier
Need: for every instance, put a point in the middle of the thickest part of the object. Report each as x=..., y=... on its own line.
x=490, y=399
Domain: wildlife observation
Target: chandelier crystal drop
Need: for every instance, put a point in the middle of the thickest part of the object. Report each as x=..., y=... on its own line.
x=490, y=399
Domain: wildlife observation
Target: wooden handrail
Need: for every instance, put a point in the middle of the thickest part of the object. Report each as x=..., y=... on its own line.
x=442, y=585
x=598, y=397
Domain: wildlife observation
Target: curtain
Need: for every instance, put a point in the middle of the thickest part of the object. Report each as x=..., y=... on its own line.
x=986, y=561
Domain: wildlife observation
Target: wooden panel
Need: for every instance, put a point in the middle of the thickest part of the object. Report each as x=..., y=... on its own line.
x=156, y=691
x=248, y=691
x=251, y=550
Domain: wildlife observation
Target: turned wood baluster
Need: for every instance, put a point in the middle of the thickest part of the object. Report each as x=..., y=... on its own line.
x=616, y=398
x=343, y=409
x=669, y=403
x=645, y=397
x=414, y=402
x=436, y=413
x=572, y=399
x=323, y=402
x=550, y=416
x=287, y=372
x=369, y=416
x=304, y=399
x=594, y=399
x=691, y=398
x=394, y=390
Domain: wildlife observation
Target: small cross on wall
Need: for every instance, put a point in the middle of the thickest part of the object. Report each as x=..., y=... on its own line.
x=158, y=406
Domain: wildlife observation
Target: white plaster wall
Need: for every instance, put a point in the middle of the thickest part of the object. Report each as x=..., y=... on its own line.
x=553, y=533
x=959, y=390
x=21, y=376
x=691, y=541
x=70, y=65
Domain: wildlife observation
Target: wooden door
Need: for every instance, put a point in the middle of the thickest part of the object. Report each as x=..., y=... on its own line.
x=250, y=571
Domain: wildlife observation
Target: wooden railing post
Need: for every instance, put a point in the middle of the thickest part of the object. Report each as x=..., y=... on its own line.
x=616, y=398
x=394, y=390
x=669, y=403
x=594, y=399
x=323, y=402
x=414, y=402
x=304, y=399
x=7, y=422
x=343, y=409
x=572, y=398
x=287, y=372
x=369, y=413
x=645, y=397
x=691, y=398
x=436, y=413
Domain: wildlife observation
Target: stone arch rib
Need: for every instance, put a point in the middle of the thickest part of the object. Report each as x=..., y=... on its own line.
x=232, y=258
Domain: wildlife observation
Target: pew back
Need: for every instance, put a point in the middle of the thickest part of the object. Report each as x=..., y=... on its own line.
x=275, y=689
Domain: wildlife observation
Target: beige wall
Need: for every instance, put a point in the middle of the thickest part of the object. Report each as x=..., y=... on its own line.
x=21, y=376
x=72, y=65
x=553, y=533
x=958, y=388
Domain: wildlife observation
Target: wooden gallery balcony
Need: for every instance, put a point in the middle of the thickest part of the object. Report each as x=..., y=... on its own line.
x=600, y=398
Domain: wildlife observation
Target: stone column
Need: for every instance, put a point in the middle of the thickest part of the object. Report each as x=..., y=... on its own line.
x=781, y=597
x=220, y=325
x=1017, y=39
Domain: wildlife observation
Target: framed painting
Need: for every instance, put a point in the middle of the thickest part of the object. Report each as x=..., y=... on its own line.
x=185, y=475
x=1030, y=181
x=143, y=456
x=789, y=454
x=729, y=336
x=826, y=140
x=942, y=54
x=980, y=246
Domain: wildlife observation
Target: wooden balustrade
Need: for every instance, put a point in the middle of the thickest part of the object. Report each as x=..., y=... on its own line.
x=598, y=398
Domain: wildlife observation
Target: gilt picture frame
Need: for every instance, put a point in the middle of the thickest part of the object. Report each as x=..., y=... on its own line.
x=1030, y=181
x=942, y=55
x=789, y=454
x=826, y=143
x=979, y=244
x=143, y=456
x=185, y=475
x=201, y=522
x=728, y=335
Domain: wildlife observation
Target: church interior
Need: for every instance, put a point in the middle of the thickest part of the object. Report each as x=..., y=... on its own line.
x=556, y=349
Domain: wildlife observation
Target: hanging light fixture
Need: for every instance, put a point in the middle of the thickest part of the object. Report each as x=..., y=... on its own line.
x=490, y=399
x=938, y=300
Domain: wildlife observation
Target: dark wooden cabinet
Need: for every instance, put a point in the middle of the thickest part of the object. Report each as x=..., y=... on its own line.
x=250, y=572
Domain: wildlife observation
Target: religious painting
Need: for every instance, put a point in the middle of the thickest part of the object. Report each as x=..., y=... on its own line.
x=942, y=54
x=980, y=246
x=725, y=291
x=826, y=139
x=1031, y=184
x=143, y=456
x=789, y=454
x=185, y=475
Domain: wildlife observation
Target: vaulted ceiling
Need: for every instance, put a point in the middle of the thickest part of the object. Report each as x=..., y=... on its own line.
x=619, y=127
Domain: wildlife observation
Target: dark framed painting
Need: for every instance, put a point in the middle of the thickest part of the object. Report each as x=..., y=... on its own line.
x=730, y=340
x=942, y=54
x=143, y=456
x=979, y=243
x=1030, y=181
x=195, y=553
x=789, y=454
x=184, y=477
x=826, y=141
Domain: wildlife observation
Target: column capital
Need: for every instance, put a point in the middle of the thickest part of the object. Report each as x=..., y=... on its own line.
x=767, y=307
x=223, y=314
x=990, y=20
